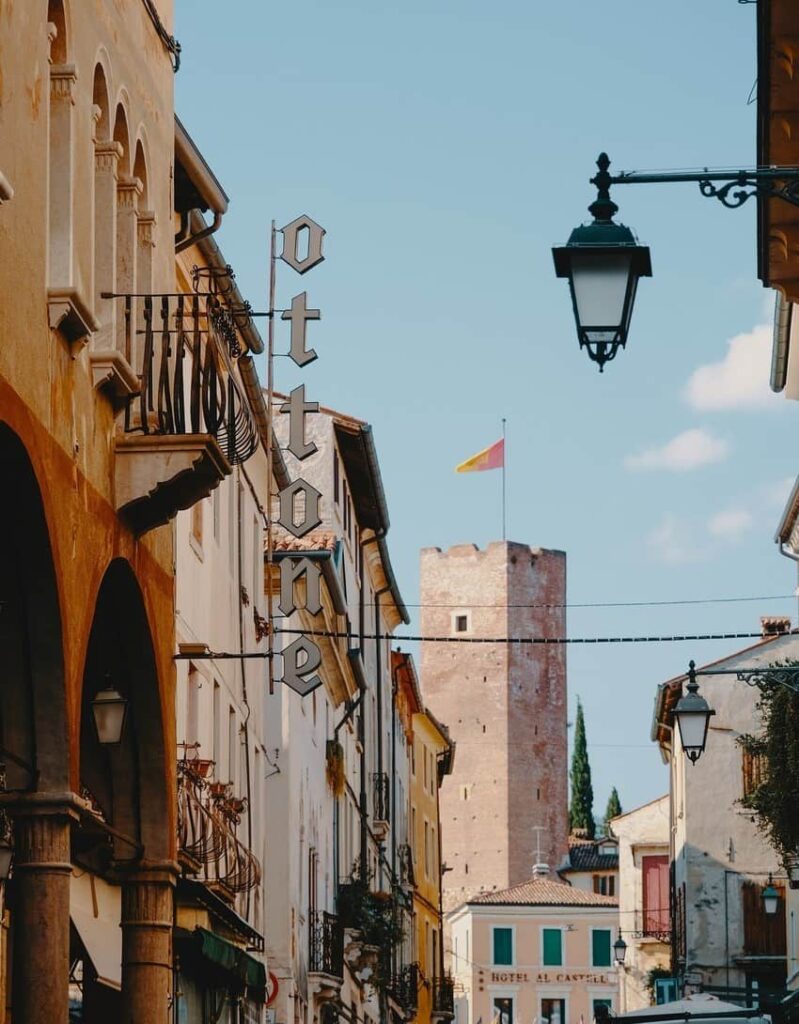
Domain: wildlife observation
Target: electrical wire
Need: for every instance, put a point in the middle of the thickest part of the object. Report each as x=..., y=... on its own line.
x=611, y=604
x=542, y=641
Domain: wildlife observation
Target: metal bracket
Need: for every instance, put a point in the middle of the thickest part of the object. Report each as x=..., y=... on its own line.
x=782, y=675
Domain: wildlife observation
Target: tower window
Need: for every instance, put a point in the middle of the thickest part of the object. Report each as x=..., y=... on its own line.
x=461, y=622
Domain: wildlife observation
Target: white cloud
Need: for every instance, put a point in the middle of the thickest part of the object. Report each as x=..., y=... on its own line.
x=730, y=524
x=738, y=381
x=671, y=542
x=688, y=450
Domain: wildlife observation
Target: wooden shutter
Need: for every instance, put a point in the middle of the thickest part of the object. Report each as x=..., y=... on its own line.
x=656, y=894
x=503, y=946
x=553, y=947
x=600, y=947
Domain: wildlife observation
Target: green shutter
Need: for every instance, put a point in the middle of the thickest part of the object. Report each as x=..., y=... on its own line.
x=600, y=947
x=503, y=946
x=553, y=947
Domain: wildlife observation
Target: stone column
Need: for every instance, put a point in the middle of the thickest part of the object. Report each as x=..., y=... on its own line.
x=147, y=945
x=40, y=913
x=106, y=160
x=129, y=188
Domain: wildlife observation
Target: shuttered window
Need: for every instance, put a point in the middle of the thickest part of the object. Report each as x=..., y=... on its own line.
x=553, y=947
x=600, y=947
x=656, y=895
x=503, y=947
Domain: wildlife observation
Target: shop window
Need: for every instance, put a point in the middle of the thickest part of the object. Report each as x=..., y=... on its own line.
x=552, y=947
x=503, y=1010
x=600, y=1008
x=553, y=1011
x=503, y=947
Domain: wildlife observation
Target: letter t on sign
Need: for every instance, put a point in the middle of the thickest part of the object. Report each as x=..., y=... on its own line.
x=299, y=314
x=296, y=407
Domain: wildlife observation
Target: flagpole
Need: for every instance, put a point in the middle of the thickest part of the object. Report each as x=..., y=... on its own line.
x=504, y=459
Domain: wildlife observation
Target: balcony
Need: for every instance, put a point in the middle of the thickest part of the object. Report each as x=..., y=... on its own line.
x=443, y=999
x=326, y=956
x=405, y=989
x=208, y=847
x=187, y=420
x=381, y=804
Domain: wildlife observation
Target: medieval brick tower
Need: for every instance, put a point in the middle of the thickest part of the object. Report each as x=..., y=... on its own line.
x=505, y=705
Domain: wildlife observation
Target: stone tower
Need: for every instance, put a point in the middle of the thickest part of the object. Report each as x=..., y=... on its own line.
x=505, y=705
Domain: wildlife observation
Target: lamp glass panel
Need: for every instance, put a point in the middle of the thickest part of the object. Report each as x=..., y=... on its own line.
x=693, y=728
x=600, y=288
x=109, y=717
x=770, y=902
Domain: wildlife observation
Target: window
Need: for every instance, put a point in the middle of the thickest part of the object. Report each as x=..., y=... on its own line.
x=552, y=947
x=666, y=991
x=335, y=478
x=217, y=725
x=605, y=885
x=193, y=709
x=197, y=522
x=424, y=754
x=413, y=835
x=752, y=767
x=460, y=622
x=503, y=1010
x=600, y=947
x=503, y=947
x=553, y=1011
x=601, y=1004
x=655, y=872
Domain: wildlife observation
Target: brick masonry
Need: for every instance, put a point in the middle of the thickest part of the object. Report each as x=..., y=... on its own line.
x=505, y=706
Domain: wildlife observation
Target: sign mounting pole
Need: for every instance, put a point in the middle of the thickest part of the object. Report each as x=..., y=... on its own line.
x=270, y=386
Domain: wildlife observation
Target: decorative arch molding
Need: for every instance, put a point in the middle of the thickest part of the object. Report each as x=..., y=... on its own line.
x=132, y=783
x=34, y=729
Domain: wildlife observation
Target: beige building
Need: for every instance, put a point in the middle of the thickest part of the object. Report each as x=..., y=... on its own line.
x=540, y=951
x=505, y=807
x=644, y=905
x=722, y=940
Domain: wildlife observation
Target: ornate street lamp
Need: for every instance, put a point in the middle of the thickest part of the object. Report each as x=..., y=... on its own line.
x=770, y=898
x=693, y=716
x=619, y=951
x=603, y=263
x=109, y=709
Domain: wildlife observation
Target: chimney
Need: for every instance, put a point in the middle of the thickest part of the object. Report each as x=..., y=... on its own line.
x=540, y=870
x=774, y=625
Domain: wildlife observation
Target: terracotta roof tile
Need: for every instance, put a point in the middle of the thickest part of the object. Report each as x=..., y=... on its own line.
x=544, y=892
x=316, y=540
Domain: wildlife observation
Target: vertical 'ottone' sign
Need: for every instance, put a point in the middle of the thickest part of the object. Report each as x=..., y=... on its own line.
x=299, y=502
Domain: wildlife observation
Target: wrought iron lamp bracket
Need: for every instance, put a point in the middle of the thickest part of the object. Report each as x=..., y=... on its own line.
x=782, y=675
x=731, y=188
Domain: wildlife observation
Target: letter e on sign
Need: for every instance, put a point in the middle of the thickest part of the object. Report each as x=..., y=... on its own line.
x=293, y=234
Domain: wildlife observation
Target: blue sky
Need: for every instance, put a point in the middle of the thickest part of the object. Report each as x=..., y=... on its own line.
x=445, y=145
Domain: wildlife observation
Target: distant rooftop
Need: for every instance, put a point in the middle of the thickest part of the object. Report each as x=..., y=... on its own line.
x=543, y=892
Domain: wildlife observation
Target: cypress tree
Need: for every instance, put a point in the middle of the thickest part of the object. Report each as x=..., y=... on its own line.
x=581, y=811
x=613, y=810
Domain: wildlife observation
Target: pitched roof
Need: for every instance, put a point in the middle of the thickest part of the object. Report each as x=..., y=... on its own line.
x=584, y=855
x=543, y=892
x=316, y=540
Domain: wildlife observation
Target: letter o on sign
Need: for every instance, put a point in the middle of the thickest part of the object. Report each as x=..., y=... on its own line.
x=291, y=242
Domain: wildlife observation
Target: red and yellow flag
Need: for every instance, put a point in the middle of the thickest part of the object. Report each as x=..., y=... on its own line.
x=492, y=457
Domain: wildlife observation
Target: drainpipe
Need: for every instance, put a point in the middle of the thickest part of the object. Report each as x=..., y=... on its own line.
x=185, y=237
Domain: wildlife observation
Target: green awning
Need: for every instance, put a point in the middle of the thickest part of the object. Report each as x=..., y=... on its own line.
x=234, y=959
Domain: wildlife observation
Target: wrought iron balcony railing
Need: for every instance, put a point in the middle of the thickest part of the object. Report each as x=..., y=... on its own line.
x=207, y=821
x=405, y=987
x=381, y=799
x=444, y=995
x=327, y=944
x=183, y=348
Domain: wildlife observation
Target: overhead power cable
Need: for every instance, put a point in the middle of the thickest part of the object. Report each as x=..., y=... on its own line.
x=542, y=641
x=609, y=604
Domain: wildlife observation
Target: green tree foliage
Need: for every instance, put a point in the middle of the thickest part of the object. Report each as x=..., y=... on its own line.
x=775, y=798
x=581, y=811
x=613, y=810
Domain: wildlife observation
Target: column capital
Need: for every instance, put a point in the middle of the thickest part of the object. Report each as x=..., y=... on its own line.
x=63, y=78
x=107, y=154
x=129, y=188
x=146, y=228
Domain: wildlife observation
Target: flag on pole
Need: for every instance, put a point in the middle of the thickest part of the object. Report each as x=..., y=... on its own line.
x=492, y=457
